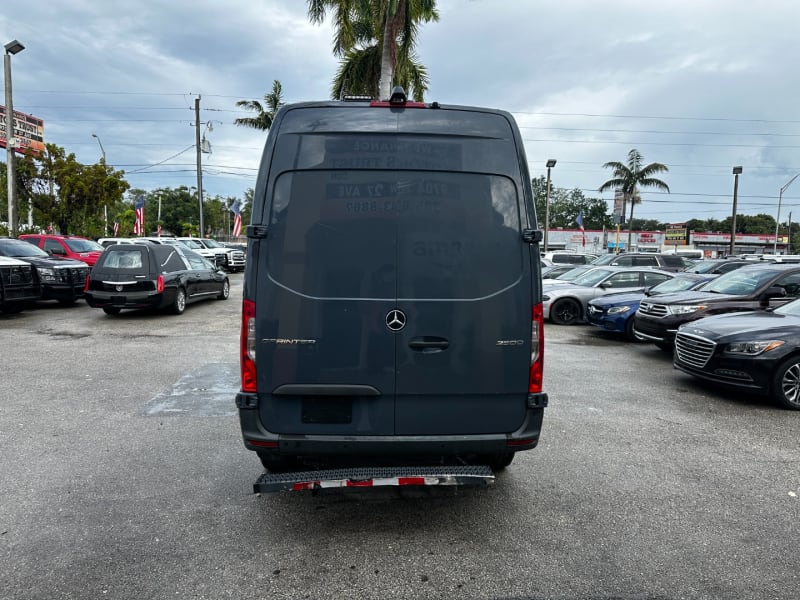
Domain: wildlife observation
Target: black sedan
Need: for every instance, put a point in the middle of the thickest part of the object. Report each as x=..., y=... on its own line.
x=158, y=276
x=756, y=351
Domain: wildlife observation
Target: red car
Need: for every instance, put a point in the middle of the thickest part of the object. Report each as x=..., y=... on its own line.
x=69, y=246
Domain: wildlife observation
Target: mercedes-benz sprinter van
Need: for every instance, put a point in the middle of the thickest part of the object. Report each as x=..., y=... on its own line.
x=392, y=296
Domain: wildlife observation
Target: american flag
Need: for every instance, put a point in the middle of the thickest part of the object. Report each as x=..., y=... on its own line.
x=579, y=221
x=138, y=226
x=116, y=228
x=237, y=219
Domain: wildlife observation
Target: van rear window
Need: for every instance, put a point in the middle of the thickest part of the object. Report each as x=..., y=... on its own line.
x=391, y=234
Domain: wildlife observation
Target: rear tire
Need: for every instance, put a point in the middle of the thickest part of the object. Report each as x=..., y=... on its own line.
x=179, y=304
x=278, y=464
x=111, y=310
x=226, y=290
x=565, y=312
x=786, y=384
x=496, y=462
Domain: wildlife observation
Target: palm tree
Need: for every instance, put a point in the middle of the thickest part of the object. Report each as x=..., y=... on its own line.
x=266, y=112
x=376, y=39
x=627, y=177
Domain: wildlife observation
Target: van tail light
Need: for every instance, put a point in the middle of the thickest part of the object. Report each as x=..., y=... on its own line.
x=247, y=346
x=160, y=284
x=86, y=284
x=537, y=350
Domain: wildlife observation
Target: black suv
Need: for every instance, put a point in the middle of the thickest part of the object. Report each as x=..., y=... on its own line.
x=61, y=279
x=19, y=285
x=666, y=262
x=752, y=287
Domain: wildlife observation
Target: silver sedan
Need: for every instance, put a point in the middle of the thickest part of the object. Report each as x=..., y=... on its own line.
x=565, y=303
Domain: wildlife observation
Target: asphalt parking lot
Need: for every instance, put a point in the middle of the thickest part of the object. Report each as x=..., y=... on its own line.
x=123, y=475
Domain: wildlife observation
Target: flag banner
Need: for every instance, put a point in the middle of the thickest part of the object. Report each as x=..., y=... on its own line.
x=579, y=221
x=138, y=226
x=237, y=219
x=116, y=228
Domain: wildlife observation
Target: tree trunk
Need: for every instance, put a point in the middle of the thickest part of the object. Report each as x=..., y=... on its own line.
x=389, y=49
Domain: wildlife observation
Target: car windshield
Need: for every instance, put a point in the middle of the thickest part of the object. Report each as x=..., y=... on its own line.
x=604, y=259
x=16, y=248
x=84, y=246
x=593, y=277
x=791, y=308
x=676, y=284
x=703, y=266
x=741, y=281
x=212, y=244
x=573, y=274
x=193, y=244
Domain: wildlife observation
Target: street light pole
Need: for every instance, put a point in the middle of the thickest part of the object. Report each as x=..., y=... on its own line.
x=778, y=218
x=736, y=172
x=95, y=136
x=12, y=47
x=550, y=164
x=105, y=206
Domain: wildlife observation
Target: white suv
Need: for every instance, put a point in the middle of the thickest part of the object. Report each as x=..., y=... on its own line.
x=226, y=258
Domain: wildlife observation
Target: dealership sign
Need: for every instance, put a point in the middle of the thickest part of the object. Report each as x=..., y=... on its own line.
x=676, y=234
x=28, y=132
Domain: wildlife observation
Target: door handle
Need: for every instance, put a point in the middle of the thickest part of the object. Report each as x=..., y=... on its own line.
x=428, y=344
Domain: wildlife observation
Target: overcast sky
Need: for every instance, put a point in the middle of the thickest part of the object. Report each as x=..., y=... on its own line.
x=699, y=85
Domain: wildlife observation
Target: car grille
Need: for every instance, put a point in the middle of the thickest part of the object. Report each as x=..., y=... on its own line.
x=651, y=309
x=18, y=275
x=72, y=274
x=693, y=350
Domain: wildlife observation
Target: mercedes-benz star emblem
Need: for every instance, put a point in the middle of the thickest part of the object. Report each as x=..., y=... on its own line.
x=396, y=320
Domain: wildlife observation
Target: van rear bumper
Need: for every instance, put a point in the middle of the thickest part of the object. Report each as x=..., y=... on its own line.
x=258, y=439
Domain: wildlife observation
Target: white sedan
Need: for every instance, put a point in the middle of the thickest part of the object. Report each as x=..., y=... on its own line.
x=565, y=303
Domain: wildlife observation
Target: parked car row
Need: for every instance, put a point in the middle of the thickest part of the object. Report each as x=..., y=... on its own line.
x=142, y=274
x=739, y=329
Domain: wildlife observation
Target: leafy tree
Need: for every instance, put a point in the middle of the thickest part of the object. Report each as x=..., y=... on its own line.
x=758, y=224
x=632, y=175
x=376, y=40
x=73, y=196
x=265, y=113
x=565, y=205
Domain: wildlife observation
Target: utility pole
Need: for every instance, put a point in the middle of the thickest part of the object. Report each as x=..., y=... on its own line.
x=199, y=162
x=736, y=172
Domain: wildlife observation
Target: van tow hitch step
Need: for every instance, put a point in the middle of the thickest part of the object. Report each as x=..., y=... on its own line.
x=466, y=475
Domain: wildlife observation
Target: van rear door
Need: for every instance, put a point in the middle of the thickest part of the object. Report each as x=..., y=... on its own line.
x=464, y=287
x=326, y=359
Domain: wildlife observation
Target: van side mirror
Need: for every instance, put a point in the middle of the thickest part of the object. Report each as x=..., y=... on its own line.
x=57, y=251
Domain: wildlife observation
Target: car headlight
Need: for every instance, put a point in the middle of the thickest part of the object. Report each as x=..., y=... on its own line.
x=753, y=348
x=46, y=274
x=618, y=310
x=686, y=309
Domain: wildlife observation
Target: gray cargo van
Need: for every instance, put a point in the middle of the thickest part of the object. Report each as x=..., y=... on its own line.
x=392, y=292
